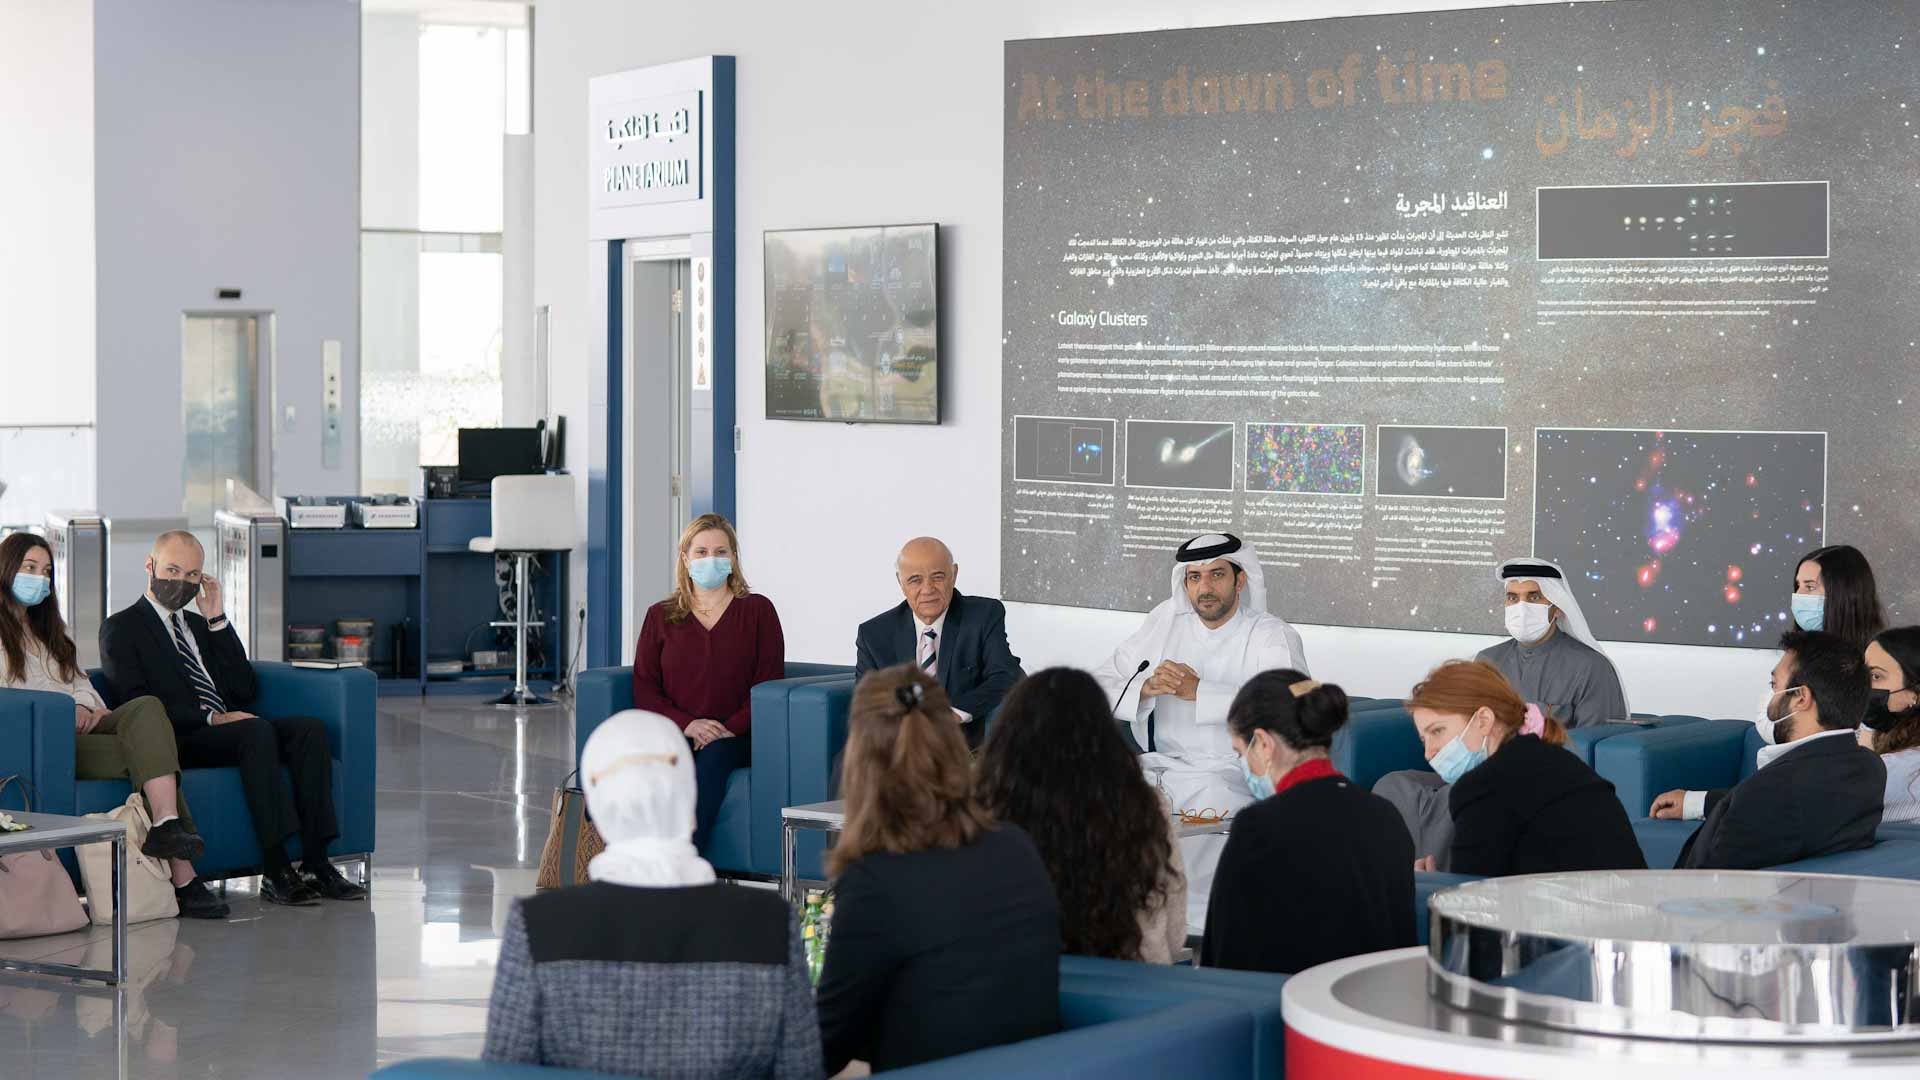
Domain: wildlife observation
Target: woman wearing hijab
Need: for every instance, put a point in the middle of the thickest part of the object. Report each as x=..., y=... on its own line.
x=945, y=936
x=654, y=969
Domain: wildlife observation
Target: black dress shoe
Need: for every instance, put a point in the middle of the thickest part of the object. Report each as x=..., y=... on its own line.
x=326, y=880
x=171, y=839
x=283, y=886
x=198, y=902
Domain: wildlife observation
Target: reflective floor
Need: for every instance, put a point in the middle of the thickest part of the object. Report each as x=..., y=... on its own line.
x=337, y=990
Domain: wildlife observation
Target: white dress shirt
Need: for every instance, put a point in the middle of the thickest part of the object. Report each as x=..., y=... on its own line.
x=193, y=643
x=939, y=628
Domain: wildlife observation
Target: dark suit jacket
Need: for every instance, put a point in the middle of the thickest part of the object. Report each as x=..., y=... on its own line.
x=976, y=666
x=139, y=658
x=1817, y=799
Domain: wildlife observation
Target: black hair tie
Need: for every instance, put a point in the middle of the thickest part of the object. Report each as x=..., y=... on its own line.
x=910, y=695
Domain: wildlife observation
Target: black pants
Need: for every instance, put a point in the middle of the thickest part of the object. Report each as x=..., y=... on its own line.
x=259, y=747
x=711, y=769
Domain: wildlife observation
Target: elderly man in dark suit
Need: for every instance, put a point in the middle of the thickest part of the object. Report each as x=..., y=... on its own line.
x=1817, y=791
x=960, y=640
x=194, y=663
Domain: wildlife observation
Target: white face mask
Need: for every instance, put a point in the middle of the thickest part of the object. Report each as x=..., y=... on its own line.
x=1764, y=721
x=1528, y=623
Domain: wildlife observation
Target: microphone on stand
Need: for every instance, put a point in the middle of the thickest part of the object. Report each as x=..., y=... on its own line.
x=1129, y=683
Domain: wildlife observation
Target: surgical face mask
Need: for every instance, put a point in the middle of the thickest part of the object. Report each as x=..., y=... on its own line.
x=710, y=572
x=1454, y=759
x=1528, y=623
x=1879, y=716
x=1809, y=612
x=173, y=593
x=1765, y=722
x=30, y=589
x=1261, y=786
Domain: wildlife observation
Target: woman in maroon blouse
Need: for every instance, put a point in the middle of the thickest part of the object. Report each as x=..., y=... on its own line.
x=701, y=652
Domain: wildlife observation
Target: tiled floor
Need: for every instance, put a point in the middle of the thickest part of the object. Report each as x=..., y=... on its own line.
x=338, y=990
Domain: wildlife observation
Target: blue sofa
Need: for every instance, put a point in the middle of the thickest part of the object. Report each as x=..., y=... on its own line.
x=1120, y=1023
x=36, y=741
x=794, y=740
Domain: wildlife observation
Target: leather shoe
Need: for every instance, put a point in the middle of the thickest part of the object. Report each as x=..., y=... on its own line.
x=283, y=886
x=172, y=839
x=326, y=880
x=198, y=902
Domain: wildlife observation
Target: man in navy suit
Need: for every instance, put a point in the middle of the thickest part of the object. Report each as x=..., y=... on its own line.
x=960, y=640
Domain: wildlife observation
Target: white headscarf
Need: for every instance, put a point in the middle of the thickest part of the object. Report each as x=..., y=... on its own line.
x=1150, y=642
x=1554, y=587
x=637, y=771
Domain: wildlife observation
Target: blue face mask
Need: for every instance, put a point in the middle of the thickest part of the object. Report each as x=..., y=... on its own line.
x=1261, y=786
x=30, y=589
x=1809, y=612
x=711, y=572
x=1454, y=759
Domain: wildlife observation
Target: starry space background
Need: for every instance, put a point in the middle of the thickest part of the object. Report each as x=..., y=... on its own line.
x=1844, y=366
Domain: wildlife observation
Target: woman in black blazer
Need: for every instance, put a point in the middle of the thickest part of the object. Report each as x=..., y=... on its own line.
x=1521, y=802
x=945, y=934
x=1318, y=869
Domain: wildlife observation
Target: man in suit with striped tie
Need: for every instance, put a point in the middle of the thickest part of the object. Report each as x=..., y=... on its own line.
x=960, y=640
x=194, y=663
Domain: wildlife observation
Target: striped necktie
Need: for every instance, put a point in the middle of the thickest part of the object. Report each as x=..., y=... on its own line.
x=203, y=686
x=930, y=651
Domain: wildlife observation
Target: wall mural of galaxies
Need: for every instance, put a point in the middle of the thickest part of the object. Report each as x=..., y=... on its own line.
x=1685, y=536
x=1399, y=297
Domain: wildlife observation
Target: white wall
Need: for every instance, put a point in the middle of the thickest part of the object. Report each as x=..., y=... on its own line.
x=46, y=212
x=229, y=134
x=865, y=112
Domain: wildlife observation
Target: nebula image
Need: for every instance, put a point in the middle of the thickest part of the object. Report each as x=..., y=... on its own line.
x=1662, y=530
x=1443, y=462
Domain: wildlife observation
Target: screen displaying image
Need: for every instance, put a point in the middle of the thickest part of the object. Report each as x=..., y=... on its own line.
x=1443, y=462
x=1180, y=454
x=1681, y=536
x=1063, y=450
x=1318, y=459
x=853, y=328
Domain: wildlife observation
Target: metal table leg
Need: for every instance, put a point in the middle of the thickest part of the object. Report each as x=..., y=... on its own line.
x=789, y=872
x=120, y=910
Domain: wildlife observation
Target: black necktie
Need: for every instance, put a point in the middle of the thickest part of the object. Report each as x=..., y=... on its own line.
x=202, y=682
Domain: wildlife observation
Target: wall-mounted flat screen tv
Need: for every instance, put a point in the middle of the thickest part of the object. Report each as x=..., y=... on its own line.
x=853, y=324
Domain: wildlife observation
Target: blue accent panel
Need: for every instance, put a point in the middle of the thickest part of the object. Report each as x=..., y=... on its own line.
x=724, y=290
x=604, y=486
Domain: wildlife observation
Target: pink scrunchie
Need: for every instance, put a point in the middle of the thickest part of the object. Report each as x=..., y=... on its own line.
x=1536, y=721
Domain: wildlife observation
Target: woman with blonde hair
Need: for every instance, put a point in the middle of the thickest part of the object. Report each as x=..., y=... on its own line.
x=1521, y=802
x=945, y=935
x=702, y=650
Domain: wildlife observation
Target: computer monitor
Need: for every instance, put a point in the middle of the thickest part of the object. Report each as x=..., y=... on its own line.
x=489, y=452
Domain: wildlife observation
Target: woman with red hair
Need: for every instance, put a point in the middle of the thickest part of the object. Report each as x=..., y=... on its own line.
x=1521, y=802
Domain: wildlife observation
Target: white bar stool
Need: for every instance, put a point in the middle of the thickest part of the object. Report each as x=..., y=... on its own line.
x=531, y=515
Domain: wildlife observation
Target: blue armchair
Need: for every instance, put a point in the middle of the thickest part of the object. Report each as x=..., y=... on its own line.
x=36, y=741
x=1123, y=1020
x=792, y=762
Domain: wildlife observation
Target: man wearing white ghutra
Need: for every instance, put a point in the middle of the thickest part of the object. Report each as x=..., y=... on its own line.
x=1176, y=677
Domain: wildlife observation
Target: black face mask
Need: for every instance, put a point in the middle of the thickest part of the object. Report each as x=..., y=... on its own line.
x=173, y=593
x=1879, y=717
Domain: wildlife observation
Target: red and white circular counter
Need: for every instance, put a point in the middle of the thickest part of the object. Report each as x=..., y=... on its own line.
x=1645, y=974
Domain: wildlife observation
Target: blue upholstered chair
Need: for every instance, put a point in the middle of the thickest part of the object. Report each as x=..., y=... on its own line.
x=792, y=758
x=1377, y=741
x=1122, y=1022
x=36, y=741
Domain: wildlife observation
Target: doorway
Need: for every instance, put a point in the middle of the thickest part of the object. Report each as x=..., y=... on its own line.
x=657, y=421
x=225, y=409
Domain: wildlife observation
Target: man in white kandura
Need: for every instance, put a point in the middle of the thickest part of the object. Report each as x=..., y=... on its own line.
x=1175, y=678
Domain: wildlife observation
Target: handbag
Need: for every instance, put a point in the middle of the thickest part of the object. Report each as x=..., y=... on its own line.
x=36, y=895
x=572, y=841
x=149, y=880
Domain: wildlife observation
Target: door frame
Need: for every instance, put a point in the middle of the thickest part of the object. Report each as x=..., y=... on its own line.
x=678, y=415
x=266, y=387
